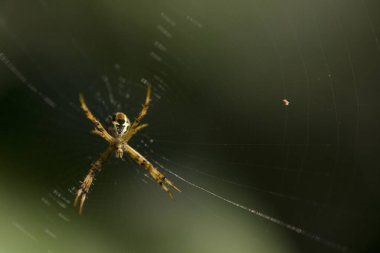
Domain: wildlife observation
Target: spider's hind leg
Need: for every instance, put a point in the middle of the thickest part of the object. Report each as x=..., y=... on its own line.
x=83, y=190
x=87, y=182
x=154, y=173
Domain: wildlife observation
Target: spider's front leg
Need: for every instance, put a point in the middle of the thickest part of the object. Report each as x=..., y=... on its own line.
x=136, y=124
x=86, y=184
x=101, y=134
x=154, y=173
x=99, y=129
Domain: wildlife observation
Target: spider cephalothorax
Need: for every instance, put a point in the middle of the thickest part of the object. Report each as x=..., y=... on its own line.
x=120, y=132
x=120, y=123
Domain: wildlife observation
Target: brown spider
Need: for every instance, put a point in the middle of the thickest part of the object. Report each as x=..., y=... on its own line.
x=118, y=136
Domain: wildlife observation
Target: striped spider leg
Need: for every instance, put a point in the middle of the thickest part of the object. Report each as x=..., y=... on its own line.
x=99, y=129
x=136, y=124
x=154, y=173
x=86, y=184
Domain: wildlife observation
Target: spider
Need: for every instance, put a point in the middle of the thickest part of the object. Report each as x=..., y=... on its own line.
x=117, y=136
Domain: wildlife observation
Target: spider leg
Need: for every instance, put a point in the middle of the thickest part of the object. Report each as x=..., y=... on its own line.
x=154, y=173
x=101, y=134
x=132, y=132
x=87, y=182
x=99, y=127
x=135, y=126
x=139, y=128
x=144, y=109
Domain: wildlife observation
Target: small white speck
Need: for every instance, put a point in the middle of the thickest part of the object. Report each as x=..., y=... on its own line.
x=285, y=102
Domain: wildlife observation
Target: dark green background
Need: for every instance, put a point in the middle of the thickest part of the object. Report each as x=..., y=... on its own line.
x=218, y=122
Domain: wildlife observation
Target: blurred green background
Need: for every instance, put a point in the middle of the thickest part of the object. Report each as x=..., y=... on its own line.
x=219, y=71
